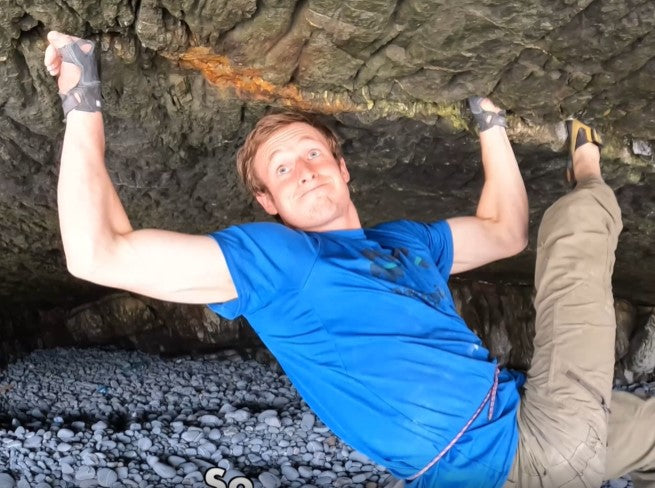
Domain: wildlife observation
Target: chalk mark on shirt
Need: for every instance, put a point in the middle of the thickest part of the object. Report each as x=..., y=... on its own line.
x=390, y=267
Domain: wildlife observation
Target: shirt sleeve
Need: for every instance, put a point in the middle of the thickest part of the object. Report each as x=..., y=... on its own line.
x=265, y=260
x=441, y=246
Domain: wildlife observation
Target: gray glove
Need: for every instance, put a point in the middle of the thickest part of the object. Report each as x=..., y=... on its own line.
x=485, y=118
x=86, y=95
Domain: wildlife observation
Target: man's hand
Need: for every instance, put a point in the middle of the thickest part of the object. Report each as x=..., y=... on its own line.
x=70, y=74
x=73, y=60
x=499, y=228
x=486, y=114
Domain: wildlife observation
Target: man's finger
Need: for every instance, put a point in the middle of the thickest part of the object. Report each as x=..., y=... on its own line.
x=487, y=104
x=51, y=59
x=57, y=39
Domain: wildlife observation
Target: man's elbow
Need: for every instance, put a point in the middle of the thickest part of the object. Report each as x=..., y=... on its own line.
x=516, y=243
x=89, y=262
x=89, y=259
x=81, y=267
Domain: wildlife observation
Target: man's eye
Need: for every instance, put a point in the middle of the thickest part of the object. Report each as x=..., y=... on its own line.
x=314, y=153
x=282, y=170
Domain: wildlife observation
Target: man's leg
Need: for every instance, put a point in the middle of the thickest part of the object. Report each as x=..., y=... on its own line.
x=631, y=439
x=563, y=413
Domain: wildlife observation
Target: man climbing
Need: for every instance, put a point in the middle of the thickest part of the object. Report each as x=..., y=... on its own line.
x=362, y=321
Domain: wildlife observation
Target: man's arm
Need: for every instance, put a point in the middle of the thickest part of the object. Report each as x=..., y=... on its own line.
x=499, y=228
x=99, y=242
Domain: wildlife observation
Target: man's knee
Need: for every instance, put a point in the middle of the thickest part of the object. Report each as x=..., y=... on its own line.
x=589, y=208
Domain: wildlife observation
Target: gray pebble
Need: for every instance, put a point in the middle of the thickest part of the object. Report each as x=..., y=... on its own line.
x=192, y=435
x=144, y=444
x=7, y=481
x=196, y=476
x=273, y=421
x=307, y=421
x=85, y=473
x=64, y=447
x=359, y=457
x=65, y=434
x=175, y=461
x=86, y=484
x=262, y=416
x=109, y=445
x=188, y=467
x=305, y=471
x=210, y=420
x=107, y=477
x=33, y=442
x=163, y=470
x=290, y=473
x=314, y=446
x=206, y=449
x=100, y=425
x=269, y=480
x=238, y=415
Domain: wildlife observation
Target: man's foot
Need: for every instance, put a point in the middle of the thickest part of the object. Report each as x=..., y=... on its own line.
x=584, y=152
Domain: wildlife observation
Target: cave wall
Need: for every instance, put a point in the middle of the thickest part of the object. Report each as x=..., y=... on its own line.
x=183, y=82
x=502, y=316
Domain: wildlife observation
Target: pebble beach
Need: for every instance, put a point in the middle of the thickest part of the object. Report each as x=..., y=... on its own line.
x=112, y=418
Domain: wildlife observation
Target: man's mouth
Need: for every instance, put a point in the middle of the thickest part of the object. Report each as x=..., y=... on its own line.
x=312, y=189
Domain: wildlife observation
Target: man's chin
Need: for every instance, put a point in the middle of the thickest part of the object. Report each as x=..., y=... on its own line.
x=309, y=225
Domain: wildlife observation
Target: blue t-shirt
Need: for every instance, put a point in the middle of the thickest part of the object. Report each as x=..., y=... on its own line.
x=364, y=325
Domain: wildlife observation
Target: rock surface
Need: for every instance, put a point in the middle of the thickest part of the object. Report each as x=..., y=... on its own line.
x=502, y=315
x=183, y=82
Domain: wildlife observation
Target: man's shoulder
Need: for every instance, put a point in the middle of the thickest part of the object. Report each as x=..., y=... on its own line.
x=264, y=229
x=266, y=237
x=400, y=227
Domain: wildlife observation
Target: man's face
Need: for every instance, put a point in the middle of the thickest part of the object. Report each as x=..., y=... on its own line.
x=304, y=183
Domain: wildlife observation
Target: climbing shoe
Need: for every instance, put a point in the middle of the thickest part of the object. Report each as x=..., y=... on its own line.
x=579, y=134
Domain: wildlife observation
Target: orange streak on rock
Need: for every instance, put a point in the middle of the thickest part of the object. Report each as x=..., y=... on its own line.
x=250, y=85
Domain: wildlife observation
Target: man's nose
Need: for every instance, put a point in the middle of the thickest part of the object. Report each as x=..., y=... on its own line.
x=306, y=172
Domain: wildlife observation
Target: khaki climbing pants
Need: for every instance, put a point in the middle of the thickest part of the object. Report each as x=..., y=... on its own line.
x=573, y=430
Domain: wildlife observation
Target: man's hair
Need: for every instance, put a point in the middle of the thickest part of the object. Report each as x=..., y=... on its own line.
x=266, y=126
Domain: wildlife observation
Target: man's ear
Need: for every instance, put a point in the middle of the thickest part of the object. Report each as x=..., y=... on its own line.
x=344, y=170
x=265, y=200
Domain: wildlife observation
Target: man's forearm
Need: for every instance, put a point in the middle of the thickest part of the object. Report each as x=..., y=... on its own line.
x=503, y=201
x=90, y=212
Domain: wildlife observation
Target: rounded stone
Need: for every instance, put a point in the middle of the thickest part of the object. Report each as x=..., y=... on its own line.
x=269, y=480
x=7, y=481
x=107, y=477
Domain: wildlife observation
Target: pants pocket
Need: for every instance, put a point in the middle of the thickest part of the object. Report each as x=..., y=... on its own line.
x=593, y=391
x=588, y=461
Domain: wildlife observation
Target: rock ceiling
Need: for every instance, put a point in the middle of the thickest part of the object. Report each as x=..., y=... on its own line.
x=184, y=81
